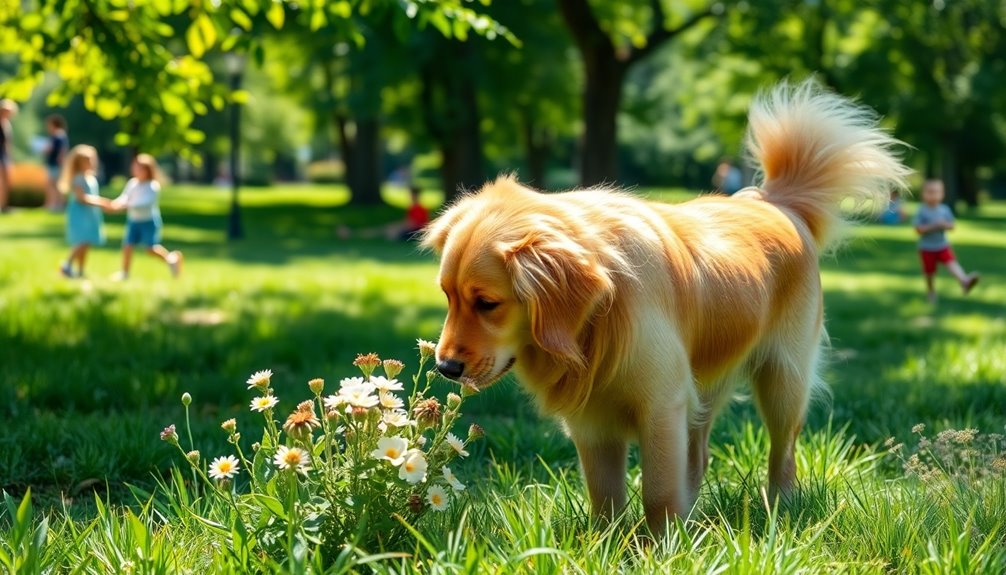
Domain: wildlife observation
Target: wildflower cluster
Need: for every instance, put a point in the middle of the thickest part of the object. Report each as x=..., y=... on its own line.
x=345, y=466
x=959, y=455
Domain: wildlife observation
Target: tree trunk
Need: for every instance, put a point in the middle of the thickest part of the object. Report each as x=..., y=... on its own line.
x=211, y=167
x=366, y=184
x=605, y=68
x=535, y=150
x=967, y=187
x=456, y=127
x=949, y=172
x=601, y=100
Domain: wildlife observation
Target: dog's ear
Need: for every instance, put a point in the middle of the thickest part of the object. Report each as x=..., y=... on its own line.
x=434, y=235
x=562, y=285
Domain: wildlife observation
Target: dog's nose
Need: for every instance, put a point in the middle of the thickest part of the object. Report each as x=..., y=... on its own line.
x=451, y=368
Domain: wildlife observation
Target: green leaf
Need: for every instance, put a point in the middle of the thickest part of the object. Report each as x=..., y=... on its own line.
x=208, y=29
x=25, y=511
x=341, y=9
x=241, y=19
x=318, y=20
x=107, y=108
x=276, y=14
x=164, y=29
x=31, y=22
x=121, y=139
x=272, y=504
x=173, y=104
x=195, y=41
x=194, y=136
x=239, y=96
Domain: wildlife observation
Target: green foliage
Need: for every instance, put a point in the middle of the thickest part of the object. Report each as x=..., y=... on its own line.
x=143, y=62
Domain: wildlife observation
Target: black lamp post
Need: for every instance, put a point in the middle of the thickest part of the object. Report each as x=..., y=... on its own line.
x=235, y=65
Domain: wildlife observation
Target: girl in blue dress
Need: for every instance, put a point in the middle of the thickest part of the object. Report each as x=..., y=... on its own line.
x=84, y=219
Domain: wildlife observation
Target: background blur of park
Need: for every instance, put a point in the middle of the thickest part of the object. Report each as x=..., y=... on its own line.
x=330, y=110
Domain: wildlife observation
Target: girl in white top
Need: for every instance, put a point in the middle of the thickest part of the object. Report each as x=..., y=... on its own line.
x=143, y=216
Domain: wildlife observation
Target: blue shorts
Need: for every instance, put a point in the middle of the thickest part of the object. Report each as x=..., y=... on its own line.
x=146, y=233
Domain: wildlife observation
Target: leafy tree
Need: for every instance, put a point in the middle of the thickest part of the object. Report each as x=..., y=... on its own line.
x=612, y=37
x=142, y=63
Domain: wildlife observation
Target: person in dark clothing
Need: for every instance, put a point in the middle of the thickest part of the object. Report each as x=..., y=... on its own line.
x=8, y=109
x=54, y=152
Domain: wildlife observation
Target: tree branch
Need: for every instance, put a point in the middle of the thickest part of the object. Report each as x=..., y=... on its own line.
x=661, y=34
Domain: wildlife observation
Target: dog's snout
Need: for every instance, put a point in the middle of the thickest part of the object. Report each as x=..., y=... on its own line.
x=451, y=368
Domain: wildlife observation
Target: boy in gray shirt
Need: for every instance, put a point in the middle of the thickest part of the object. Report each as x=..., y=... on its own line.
x=932, y=222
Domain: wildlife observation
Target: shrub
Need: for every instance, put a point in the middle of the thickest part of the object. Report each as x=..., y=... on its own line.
x=326, y=172
x=28, y=183
x=360, y=474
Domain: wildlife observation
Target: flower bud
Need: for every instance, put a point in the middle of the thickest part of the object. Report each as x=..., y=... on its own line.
x=453, y=401
x=186, y=399
x=193, y=457
x=230, y=426
x=256, y=446
x=316, y=385
x=427, y=349
x=306, y=406
x=427, y=412
x=367, y=363
x=392, y=367
x=475, y=431
x=332, y=415
x=468, y=390
x=170, y=435
x=359, y=413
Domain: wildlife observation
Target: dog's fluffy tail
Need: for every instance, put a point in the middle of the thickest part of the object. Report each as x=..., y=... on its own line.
x=816, y=148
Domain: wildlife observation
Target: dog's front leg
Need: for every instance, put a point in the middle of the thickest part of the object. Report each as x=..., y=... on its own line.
x=603, y=462
x=663, y=446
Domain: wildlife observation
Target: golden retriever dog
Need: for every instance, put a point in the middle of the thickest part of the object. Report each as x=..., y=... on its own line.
x=632, y=320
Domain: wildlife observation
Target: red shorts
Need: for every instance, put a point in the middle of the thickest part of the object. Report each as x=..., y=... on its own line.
x=929, y=259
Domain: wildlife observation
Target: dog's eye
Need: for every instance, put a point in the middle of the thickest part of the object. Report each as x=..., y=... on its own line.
x=483, y=304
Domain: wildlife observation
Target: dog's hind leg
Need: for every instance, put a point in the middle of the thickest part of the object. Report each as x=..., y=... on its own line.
x=782, y=383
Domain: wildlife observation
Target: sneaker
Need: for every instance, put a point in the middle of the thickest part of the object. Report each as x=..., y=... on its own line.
x=175, y=260
x=66, y=269
x=120, y=277
x=969, y=282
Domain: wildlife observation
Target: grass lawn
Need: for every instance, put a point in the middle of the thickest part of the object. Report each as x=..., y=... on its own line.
x=91, y=370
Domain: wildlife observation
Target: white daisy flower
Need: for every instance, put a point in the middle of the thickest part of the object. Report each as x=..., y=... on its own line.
x=292, y=458
x=413, y=469
x=390, y=401
x=384, y=384
x=437, y=497
x=334, y=401
x=456, y=444
x=260, y=379
x=452, y=479
x=352, y=382
x=392, y=449
x=396, y=419
x=224, y=467
x=360, y=398
x=263, y=403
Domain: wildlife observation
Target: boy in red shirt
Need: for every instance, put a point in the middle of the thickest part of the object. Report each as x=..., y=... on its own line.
x=415, y=220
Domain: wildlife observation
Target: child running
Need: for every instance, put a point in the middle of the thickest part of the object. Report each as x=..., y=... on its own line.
x=143, y=217
x=84, y=220
x=931, y=223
